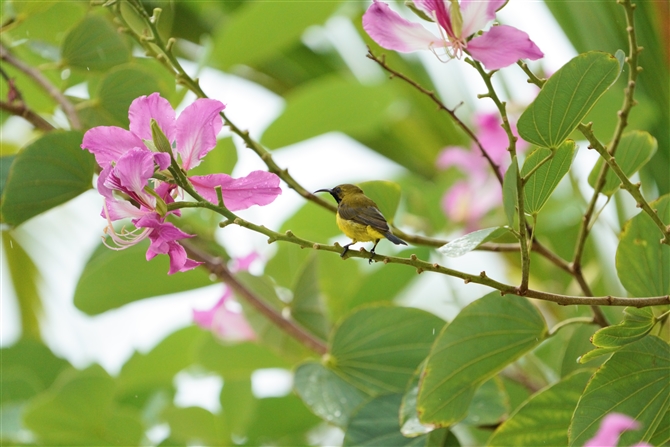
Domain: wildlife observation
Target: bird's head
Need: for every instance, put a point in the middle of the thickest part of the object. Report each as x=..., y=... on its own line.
x=341, y=191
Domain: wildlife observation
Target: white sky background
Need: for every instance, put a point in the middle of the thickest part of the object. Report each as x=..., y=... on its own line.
x=61, y=240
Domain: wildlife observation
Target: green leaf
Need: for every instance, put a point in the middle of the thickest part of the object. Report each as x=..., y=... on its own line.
x=238, y=403
x=542, y=182
x=28, y=367
x=567, y=97
x=599, y=352
x=113, y=278
x=545, y=417
x=24, y=277
x=307, y=306
x=94, y=45
x=6, y=162
x=236, y=361
x=327, y=394
x=489, y=404
x=636, y=324
x=196, y=425
x=343, y=105
x=484, y=337
x=634, y=381
x=510, y=192
x=641, y=260
x=662, y=434
x=158, y=367
x=378, y=348
x=119, y=88
x=385, y=194
x=80, y=409
x=376, y=424
x=46, y=173
x=278, y=25
x=280, y=421
x=465, y=244
x=410, y=426
x=267, y=331
x=635, y=149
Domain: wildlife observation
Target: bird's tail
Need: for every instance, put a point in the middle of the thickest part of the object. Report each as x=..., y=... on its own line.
x=395, y=239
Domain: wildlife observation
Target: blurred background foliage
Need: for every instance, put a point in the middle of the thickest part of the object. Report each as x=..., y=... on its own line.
x=47, y=401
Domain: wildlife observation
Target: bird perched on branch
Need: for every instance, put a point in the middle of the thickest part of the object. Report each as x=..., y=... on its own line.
x=359, y=218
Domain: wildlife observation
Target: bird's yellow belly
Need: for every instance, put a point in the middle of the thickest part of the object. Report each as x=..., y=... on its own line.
x=356, y=231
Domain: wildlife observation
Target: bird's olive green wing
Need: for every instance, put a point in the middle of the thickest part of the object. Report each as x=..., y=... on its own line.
x=365, y=215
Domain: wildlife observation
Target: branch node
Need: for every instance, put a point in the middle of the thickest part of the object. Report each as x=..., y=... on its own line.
x=419, y=271
x=482, y=274
x=316, y=246
x=413, y=257
x=436, y=265
x=386, y=260
x=289, y=233
x=466, y=281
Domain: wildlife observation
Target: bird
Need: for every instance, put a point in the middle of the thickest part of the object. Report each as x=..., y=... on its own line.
x=359, y=218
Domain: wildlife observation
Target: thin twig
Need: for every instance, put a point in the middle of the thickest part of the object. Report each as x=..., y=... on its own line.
x=291, y=327
x=42, y=81
x=20, y=109
x=523, y=228
x=381, y=61
x=423, y=266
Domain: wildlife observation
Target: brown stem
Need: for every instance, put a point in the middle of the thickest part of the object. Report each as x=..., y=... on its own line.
x=20, y=109
x=382, y=63
x=218, y=268
x=42, y=81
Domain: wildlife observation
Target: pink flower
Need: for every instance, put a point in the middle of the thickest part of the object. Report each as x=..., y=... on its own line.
x=225, y=319
x=611, y=428
x=470, y=199
x=496, y=48
x=129, y=161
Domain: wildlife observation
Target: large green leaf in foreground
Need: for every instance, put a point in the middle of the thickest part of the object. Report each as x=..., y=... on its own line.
x=112, y=279
x=545, y=179
x=46, y=173
x=567, y=97
x=634, y=381
x=543, y=419
x=374, y=351
x=484, y=338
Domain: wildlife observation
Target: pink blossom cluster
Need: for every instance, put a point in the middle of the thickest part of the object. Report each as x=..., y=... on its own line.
x=135, y=182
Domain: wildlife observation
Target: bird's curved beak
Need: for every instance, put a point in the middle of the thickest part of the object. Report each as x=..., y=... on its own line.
x=323, y=190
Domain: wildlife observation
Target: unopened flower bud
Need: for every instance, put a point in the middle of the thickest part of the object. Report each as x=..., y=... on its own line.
x=161, y=142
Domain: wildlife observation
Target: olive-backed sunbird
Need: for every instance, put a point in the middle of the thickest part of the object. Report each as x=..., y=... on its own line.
x=359, y=218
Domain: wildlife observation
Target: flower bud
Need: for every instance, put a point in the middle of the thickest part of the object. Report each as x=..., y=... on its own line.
x=161, y=142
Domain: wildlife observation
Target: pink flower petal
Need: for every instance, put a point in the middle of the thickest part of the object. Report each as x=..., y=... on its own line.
x=164, y=237
x=257, y=188
x=610, y=429
x=468, y=161
x=197, y=127
x=134, y=169
x=122, y=209
x=224, y=322
x=108, y=143
x=477, y=14
x=502, y=46
x=243, y=264
x=492, y=136
x=153, y=106
x=393, y=32
x=437, y=10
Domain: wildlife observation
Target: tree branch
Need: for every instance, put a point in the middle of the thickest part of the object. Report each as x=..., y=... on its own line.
x=291, y=327
x=42, y=81
x=381, y=61
x=20, y=109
